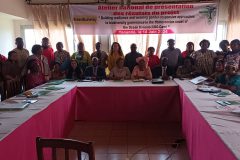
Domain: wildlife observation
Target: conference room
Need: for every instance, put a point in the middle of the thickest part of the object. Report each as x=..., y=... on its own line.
x=119, y=80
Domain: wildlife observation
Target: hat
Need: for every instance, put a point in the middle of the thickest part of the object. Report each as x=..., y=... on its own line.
x=142, y=58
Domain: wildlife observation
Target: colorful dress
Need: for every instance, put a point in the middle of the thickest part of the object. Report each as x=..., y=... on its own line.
x=146, y=73
x=121, y=73
x=204, y=62
x=34, y=80
x=83, y=59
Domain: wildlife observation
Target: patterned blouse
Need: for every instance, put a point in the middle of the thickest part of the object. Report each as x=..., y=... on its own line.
x=204, y=61
x=122, y=73
x=62, y=56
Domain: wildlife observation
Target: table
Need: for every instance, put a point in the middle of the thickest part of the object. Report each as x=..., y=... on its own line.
x=128, y=101
x=210, y=133
x=54, y=115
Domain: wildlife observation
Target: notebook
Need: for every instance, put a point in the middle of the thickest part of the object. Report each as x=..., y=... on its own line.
x=157, y=81
x=18, y=106
x=198, y=80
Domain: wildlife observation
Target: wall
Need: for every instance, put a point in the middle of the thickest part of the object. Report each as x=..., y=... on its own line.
x=14, y=7
x=6, y=34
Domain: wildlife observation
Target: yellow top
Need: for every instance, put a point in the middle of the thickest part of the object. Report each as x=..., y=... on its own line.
x=112, y=58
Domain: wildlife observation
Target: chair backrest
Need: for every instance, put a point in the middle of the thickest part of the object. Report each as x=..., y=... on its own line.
x=1, y=90
x=13, y=87
x=66, y=144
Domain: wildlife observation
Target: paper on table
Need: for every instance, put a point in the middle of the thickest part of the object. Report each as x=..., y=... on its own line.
x=54, y=88
x=198, y=80
x=55, y=82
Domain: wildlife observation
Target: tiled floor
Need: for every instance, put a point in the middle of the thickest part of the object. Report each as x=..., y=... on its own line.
x=132, y=141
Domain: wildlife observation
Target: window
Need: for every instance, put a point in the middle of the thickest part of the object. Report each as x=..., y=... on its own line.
x=27, y=33
x=182, y=39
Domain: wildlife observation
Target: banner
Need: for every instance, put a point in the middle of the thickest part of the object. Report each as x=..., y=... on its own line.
x=145, y=19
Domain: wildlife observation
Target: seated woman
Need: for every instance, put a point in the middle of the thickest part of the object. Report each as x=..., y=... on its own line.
x=119, y=72
x=141, y=71
x=35, y=77
x=162, y=71
x=74, y=72
x=230, y=79
x=95, y=72
x=56, y=73
x=219, y=69
x=187, y=70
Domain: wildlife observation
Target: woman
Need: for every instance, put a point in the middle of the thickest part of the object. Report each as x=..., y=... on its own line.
x=204, y=59
x=187, y=70
x=38, y=54
x=219, y=69
x=230, y=79
x=189, y=50
x=82, y=57
x=153, y=60
x=115, y=53
x=35, y=77
x=119, y=72
x=56, y=73
x=62, y=56
x=141, y=71
x=74, y=72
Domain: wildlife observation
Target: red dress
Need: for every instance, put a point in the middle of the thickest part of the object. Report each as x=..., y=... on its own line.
x=153, y=61
x=34, y=80
x=49, y=54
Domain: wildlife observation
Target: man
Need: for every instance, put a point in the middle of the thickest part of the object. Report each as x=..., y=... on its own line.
x=10, y=69
x=130, y=58
x=101, y=55
x=48, y=52
x=22, y=53
x=95, y=72
x=83, y=57
x=173, y=55
x=162, y=70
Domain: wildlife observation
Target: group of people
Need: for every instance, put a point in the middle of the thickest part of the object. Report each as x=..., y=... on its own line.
x=221, y=67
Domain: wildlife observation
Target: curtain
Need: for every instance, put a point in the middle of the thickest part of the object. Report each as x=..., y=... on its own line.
x=52, y=21
x=233, y=31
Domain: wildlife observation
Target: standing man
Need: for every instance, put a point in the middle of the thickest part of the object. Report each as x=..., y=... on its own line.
x=22, y=53
x=83, y=57
x=130, y=58
x=101, y=55
x=173, y=55
x=48, y=52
